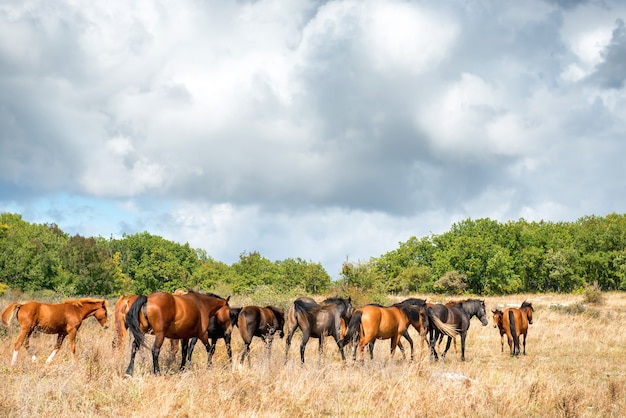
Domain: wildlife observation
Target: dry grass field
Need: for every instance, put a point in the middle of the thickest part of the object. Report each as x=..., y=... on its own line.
x=575, y=367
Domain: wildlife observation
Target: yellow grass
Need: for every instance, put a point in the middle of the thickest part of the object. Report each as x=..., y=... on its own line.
x=575, y=367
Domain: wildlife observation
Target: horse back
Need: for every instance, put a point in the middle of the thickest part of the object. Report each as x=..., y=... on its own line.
x=520, y=322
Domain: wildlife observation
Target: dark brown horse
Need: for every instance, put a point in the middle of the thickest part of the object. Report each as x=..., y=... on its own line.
x=219, y=326
x=457, y=318
x=260, y=322
x=515, y=323
x=178, y=316
x=497, y=323
x=378, y=322
x=317, y=321
x=63, y=319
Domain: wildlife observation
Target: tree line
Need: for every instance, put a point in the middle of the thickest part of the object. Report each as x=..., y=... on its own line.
x=483, y=257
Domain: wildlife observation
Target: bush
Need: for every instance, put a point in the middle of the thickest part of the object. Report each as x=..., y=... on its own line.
x=593, y=294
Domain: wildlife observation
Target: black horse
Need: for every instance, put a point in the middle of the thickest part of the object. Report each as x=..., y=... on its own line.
x=218, y=329
x=318, y=320
x=457, y=316
x=262, y=322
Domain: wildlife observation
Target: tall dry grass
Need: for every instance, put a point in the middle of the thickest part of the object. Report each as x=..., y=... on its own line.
x=575, y=367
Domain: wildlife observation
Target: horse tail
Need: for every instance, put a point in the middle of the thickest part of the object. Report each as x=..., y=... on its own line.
x=301, y=314
x=513, y=330
x=132, y=318
x=7, y=313
x=354, y=328
x=449, y=330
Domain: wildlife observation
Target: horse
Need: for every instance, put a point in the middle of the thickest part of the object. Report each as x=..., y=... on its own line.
x=218, y=328
x=373, y=321
x=426, y=339
x=457, y=318
x=515, y=323
x=63, y=319
x=421, y=331
x=497, y=323
x=318, y=320
x=121, y=329
x=177, y=316
x=262, y=322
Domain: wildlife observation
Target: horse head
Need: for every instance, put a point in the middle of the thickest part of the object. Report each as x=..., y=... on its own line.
x=527, y=307
x=280, y=318
x=101, y=315
x=497, y=317
x=482, y=313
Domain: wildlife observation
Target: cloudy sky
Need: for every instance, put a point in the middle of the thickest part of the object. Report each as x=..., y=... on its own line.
x=303, y=128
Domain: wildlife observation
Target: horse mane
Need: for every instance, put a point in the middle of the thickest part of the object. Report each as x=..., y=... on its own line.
x=336, y=300
x=80, y=302
x=527, y=304
x=184, y=292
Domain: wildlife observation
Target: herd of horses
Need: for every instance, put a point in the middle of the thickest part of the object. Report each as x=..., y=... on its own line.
x=184, y=317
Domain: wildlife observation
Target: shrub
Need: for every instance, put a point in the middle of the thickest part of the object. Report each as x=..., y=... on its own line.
x=593, y=294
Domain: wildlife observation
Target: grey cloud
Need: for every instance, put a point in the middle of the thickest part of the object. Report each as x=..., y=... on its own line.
x=611, y=73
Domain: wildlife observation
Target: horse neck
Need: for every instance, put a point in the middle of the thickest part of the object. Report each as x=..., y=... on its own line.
x=89, y=308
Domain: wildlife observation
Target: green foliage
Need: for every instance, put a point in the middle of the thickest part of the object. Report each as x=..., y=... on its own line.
x=479, y=256
x=452, y=282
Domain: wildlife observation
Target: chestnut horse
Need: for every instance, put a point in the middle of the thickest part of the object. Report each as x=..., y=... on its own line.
x=421, y=331
x=515, y=323
x=329, y=317
x=63, y=319
x=121, y=329
x=260, y=322
x=371, y=321
x=457, y=318
x=177, y=316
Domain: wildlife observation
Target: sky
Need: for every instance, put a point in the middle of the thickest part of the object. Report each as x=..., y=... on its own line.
x=329, y=131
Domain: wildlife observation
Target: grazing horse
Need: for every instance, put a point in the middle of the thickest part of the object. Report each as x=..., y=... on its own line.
x=177, y=316
x=260, y=322
x=497, y=323
x=515, y=323
x=218, y=328
x=318, y=320
x=371, y=321
x=457, y=316
x=63, y=319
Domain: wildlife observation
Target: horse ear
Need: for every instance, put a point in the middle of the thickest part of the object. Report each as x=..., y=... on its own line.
x=228, y=298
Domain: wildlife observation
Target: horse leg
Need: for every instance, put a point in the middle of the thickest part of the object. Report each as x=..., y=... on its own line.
x=410, y=340
x=184, y=343
x=447, y=346
x=156, y=350
x=57, y=346
x=212, y=346
x=305, y=339
x=229, y=350
x=133, y=352
x=288, y=342
x=370, y=348
x=502, y=343
x=463, y=336
x=23, y=339
x=434, y=335
x=245, y=351
x=524, y=344
x=509, y=338
x=192, y=345
x=401, y=347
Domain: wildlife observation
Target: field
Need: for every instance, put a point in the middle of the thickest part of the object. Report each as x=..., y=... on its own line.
x=575, y=367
